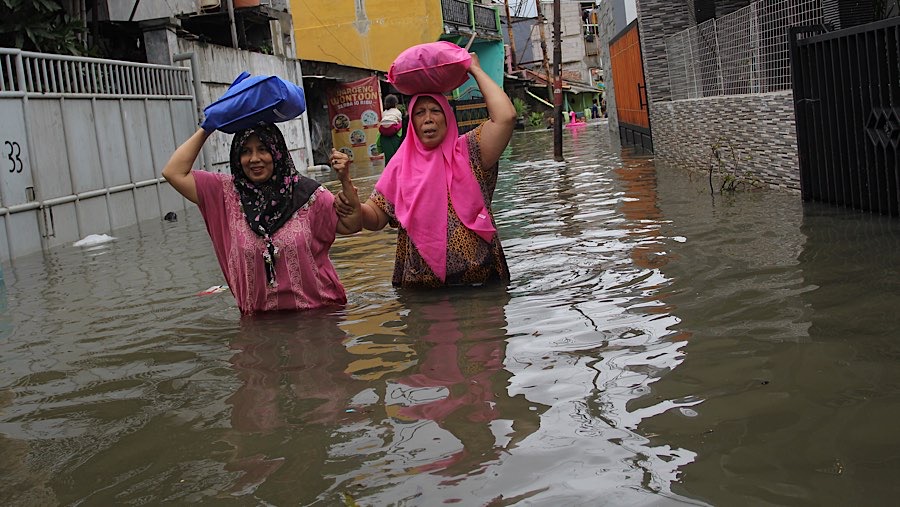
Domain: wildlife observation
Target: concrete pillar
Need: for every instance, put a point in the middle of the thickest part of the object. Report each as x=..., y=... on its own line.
x=160, y=40
x=658, y=20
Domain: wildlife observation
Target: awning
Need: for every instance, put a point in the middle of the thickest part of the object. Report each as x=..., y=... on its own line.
x=582, y=89
x=568, y=86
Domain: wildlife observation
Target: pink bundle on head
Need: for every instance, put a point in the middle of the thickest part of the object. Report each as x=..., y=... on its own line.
x=434, y=67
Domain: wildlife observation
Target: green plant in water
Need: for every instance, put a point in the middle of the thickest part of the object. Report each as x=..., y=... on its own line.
x=731, y=180
x=40, y=25
x=535, y=119
x=349, y=501
x=521, y=107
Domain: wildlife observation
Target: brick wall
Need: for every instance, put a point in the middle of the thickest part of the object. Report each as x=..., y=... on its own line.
x=658, y=20
x=758, y=128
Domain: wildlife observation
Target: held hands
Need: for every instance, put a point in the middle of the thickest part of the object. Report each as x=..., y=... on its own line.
x=343, y=205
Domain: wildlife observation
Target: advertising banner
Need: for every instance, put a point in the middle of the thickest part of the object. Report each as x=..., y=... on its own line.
x=355, y=112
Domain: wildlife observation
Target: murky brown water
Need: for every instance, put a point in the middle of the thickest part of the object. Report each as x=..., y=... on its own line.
x=656, y=346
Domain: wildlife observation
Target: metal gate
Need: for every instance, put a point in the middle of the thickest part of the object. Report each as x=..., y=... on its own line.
x=632, y=108
x=83, y=143
x=847, y=109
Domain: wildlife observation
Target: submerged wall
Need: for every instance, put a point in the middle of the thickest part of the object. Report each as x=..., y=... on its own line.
x=753, y=133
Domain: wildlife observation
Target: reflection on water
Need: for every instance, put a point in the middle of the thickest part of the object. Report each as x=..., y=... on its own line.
x=655, y=346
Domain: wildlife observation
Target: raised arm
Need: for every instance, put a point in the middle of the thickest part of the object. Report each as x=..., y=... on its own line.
x=350, y=221
x=497, y=131
x=178, y=169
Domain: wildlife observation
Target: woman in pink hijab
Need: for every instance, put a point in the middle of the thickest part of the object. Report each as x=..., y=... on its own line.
x=437, y=189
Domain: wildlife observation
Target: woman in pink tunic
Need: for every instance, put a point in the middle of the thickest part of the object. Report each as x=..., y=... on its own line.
x=271, y=228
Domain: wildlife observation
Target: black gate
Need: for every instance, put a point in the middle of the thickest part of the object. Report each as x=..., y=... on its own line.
x=847, y=107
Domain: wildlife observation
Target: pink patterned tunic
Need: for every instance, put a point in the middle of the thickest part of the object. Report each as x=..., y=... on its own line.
x=305, y=277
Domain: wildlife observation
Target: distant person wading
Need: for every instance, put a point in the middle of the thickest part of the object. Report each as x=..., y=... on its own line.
x=390, y=131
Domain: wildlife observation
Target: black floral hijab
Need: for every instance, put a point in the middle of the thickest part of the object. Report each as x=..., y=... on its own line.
x=267, y=206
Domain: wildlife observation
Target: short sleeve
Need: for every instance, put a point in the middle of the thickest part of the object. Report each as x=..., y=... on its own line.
x=324, y=215
x=211, y=201
x=210, y=191
x=386, y=206
x=486, y=176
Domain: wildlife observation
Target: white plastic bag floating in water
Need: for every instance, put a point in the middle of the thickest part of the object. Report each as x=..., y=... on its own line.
x=93, y=239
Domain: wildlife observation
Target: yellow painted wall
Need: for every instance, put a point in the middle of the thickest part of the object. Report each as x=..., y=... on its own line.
x=367, y=34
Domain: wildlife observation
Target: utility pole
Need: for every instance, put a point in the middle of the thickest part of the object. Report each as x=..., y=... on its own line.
x=234, y=37
x=512, y=39
x=546, y=62
x=557, y=85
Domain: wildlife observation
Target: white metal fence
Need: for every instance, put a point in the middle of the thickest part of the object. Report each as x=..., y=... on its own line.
x=83, y=141
x=746, y=51
x=49, y=74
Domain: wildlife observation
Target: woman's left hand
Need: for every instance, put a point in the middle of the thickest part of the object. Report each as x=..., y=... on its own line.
x=340, y=162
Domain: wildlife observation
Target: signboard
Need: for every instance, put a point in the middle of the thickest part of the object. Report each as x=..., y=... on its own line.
x=354, y=110
x=572, y=75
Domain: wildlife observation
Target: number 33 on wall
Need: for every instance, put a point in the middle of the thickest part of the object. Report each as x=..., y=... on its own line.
x=13, y=152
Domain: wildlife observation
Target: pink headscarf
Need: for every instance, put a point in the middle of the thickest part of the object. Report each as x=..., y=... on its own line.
x=416, y=181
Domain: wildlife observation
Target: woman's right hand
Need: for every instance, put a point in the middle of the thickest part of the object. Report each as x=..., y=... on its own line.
x=343, y=206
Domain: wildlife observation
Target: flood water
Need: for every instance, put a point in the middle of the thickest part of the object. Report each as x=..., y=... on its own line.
x=657, y=345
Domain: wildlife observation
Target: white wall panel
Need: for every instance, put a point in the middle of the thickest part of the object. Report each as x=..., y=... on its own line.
x=172, y=200
x=111, y=142
x=138, y=138
x=24, y=233
x=65, y=225
x=162, y=139
x=185, y=123
x=81, y=142
x=94, y=216
x=147, y=203
x=50, y=167
x=15, y=165
x=121, y=206
x=4, y=244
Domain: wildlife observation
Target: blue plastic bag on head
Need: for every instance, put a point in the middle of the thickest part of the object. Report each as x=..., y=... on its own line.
x=253, y=100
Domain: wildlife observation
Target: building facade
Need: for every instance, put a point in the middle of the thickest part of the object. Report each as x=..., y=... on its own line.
x=717, y=114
